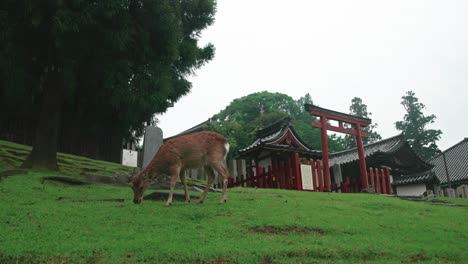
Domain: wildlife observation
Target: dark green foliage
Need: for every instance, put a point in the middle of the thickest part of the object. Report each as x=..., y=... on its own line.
x=358, y=108
x=239, y=121
x=121, y=61
x=414, y=127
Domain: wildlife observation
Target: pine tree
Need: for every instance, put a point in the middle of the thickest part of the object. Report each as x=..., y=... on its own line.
x=358, y=108
x=414, y=127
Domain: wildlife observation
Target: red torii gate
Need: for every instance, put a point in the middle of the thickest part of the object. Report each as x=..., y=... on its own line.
x=342, y=118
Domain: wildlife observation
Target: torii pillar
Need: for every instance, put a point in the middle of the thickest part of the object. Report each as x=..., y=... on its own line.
x=355, y=122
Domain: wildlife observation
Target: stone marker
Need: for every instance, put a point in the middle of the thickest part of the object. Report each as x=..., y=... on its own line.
x=430, y=193
x=130, y=157
x=441, y=193
x=338, y=177
x=465, y=190
x=233, y=169
x=242, y=170
x=306, y=175
x=449, y=192
x=151, y=143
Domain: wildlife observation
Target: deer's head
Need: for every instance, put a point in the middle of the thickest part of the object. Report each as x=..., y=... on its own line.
x=138, y=186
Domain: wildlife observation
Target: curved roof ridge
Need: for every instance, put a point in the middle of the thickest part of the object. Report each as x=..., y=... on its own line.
x=278, y=125
x=275, y=132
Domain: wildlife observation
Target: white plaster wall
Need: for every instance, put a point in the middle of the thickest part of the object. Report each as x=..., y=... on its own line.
x=411, y=189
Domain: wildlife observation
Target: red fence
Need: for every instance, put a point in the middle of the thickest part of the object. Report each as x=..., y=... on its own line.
x=282, y=175
x=379, y=179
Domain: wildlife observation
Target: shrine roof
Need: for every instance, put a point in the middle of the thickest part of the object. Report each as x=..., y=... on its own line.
x=457, y=163
x=275, y=137
x=422, y=177
x=394, y=152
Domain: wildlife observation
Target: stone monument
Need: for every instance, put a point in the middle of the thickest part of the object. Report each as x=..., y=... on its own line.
x=152, y=141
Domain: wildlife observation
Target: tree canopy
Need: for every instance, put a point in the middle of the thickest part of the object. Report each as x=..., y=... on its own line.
x=414, y=126
x=98, y=65
x=358, y=108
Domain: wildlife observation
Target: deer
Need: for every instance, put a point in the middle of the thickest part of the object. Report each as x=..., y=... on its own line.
x=205, y=148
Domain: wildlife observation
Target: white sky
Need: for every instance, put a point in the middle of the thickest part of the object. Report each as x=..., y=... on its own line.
x=336, y=50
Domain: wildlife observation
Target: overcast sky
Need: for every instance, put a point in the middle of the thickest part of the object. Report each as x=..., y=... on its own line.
x=336, y=50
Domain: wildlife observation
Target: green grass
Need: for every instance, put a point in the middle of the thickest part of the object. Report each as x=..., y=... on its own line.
x=56, y=223
x=38, y=227
x=453, y=200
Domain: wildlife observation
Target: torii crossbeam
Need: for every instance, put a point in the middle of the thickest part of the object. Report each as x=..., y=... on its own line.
x=354, y=122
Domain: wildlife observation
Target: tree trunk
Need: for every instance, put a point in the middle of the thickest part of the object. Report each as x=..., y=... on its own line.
x=44, y=152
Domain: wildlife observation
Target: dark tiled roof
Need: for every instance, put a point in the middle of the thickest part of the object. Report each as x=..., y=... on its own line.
x=387, y=145
x=200, y=127
x=422, y=177
x=457, y=163
x=394, y=151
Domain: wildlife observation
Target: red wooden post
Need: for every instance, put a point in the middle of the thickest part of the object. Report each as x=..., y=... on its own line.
x=387, y=177
x=281, y=175
x=266, y=179
x=354, y=183
x=347, y=184
x=372, y=176
x=384, y=182
x=269, y=176
x=297, y=171
x=274, y=173
x=326, y=167
x=319, y=173
x=377, y=177
x=314, y=174
x=362, y=158
x=287, y=173
x=257, y=175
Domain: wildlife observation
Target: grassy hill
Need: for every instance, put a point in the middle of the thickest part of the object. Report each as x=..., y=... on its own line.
x=12, y=155
x=47, y=222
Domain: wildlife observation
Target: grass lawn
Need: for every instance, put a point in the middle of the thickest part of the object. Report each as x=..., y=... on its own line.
x=57, y=223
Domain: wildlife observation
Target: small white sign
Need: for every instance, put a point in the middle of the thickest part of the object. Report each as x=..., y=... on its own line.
x=130, y=157
x=306, y=172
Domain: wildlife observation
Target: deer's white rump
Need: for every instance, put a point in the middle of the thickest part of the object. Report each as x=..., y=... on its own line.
x=205, y=148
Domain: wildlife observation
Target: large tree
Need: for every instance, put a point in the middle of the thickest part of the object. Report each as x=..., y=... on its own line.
x=240, y=119
x=414, y=126
x=358, y=108
x=97, y=65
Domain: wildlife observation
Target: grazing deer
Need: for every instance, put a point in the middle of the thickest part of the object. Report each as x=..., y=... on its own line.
x=205, y=148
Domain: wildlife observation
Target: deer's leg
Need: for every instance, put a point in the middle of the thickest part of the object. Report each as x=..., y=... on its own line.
x=221, y=169
x=211, y=176
x=174, y=174
x=184, y=181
